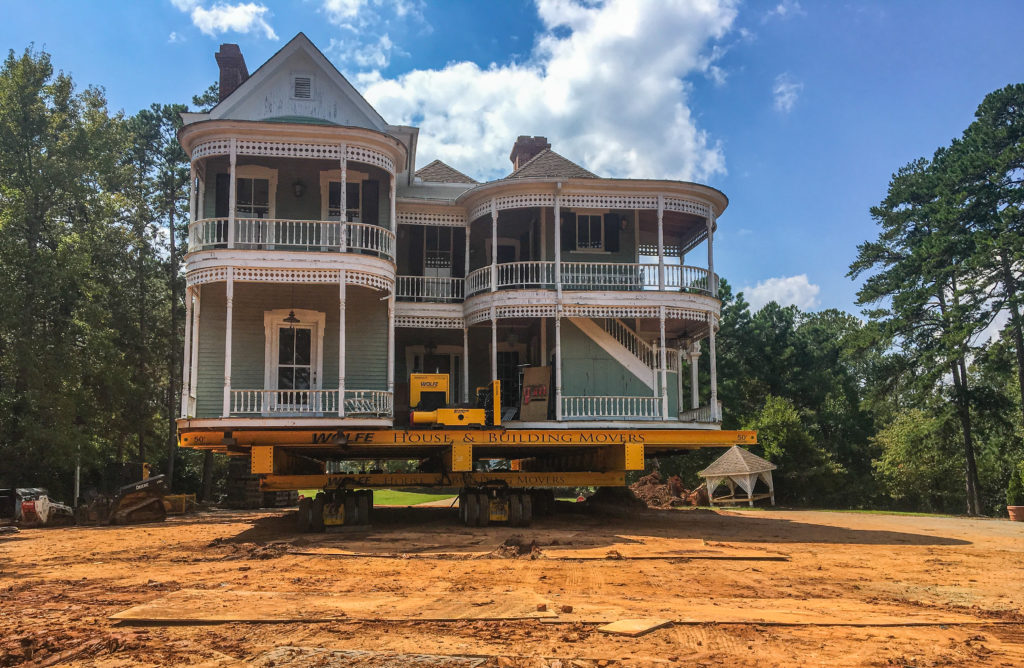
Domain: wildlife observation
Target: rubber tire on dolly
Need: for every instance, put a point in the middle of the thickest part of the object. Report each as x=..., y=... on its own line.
x=316, y=519
x=351, y=509
x=483, y=503
x=515, y=509
x=462, y=507
x=527, y=510
x=302, y=521
x=363, y=504
x=472, y=509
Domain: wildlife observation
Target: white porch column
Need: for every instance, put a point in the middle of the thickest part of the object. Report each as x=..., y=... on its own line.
x=391, y=346
x=201, y=197
x=558, y=359
x=494, y=246
x=661, y=242
x=341, y=333
x=694, y=371
x=394, y=194
x=187, y=354
x=193, y=214
x=543, y=341
x=465, y=266
x=712, y=282
x=714, y=368
x=679, y=380
x=543, y=234
x=465, y=365
x=232, y=195
x=343, y=165
x=558, y=251
x=494, y=345
x=663, y=362
x=228, y=316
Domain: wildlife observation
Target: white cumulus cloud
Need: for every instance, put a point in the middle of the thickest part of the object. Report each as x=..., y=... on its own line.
x=221, y=17
x=784, y=10
x=605, y=82
x=375, y=55
x=786, y=92
x=786, y=290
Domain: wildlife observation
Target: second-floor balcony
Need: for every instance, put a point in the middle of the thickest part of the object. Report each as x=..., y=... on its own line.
x=622, y=276
x=296, y=235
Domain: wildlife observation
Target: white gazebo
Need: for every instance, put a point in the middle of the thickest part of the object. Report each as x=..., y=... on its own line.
x=739, y=467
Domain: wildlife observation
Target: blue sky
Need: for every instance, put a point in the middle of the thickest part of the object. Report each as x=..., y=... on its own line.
x=799, y=112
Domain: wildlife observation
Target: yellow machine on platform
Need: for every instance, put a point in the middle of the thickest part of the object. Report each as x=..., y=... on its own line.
x=503, y=473
x=429, y=401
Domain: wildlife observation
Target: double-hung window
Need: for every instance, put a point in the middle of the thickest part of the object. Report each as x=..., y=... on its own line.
x=252, y=198
x=589, y=232
x=353, y=201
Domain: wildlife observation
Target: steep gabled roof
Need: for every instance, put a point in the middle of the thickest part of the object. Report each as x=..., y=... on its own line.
x=299, y=43
x=439, y=172
x=737, y=461
x=547, y=163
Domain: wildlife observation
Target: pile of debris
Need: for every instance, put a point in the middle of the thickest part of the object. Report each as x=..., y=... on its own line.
x=669, y=494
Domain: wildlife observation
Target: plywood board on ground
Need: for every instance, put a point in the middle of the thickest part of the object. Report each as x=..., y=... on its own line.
x=633, y=627
x=213, y=606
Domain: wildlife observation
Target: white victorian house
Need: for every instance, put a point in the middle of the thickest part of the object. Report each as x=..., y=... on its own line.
x=323, y=268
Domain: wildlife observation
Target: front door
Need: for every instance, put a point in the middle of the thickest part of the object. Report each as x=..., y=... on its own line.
x=296, y=373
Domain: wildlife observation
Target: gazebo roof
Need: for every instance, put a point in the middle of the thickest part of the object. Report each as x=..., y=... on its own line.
x=737, y=461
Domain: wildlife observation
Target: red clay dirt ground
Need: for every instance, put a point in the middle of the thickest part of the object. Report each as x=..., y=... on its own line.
x=417, y=589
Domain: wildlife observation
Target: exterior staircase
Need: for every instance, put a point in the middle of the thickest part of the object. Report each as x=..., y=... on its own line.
x=625, y=346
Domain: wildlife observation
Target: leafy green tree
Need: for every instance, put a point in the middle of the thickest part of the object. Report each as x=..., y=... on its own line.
x=915, y=465
x=918, y=275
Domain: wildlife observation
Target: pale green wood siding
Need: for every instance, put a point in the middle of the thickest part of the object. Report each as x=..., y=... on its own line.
x=587, y=370
x=366, y=337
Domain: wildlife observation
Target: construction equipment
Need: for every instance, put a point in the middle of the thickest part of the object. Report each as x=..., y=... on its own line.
x=32, y=507
x=428, y=399
x=504, y=473
x=141, y=501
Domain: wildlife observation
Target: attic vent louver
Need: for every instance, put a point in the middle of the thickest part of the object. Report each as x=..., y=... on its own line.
x=303, y=88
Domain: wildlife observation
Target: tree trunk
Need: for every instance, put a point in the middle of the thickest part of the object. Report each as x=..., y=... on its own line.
x=207, y=490
x=1015, y=323
x=172, y=353
x=959, y=369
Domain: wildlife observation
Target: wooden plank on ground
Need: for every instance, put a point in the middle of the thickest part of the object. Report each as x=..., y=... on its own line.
x=213, y=606
x=634, y=627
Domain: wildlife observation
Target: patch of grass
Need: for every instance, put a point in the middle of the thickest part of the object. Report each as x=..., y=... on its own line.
x=393, y=497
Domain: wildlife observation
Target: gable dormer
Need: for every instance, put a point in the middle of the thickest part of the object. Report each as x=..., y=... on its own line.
x=297, y=85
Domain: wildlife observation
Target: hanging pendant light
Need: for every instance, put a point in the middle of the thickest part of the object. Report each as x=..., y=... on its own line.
x=291, y=319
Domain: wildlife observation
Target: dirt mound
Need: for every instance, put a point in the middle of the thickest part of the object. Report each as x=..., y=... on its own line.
x=516, y=547
x=655, y=493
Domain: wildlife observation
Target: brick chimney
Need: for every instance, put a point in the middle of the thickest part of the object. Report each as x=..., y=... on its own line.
x=526, y=148
x=233, y=71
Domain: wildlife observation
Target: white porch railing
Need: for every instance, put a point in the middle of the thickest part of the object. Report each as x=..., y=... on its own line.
x=700, y=414
x=527, y=275
x=629, y=340
x=368, y=403
x=628, y=276
x=310, y=235
x=316, y=403
x=429, y=288
x=611, y=408
x=284, y=402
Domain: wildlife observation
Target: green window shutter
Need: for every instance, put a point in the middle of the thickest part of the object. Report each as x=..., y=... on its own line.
x=611, y=232
x=568, y=230
x=222, y=195
x=371, y=202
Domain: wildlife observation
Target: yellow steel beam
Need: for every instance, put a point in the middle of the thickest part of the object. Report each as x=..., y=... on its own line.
x=394, y=480
x=522, y=438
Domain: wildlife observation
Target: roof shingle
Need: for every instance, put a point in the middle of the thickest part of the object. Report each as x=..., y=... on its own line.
x=438, y=172
x=737, y=461
x=547, y=163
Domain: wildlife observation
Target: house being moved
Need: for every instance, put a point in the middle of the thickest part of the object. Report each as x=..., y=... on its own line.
x=324, y=268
